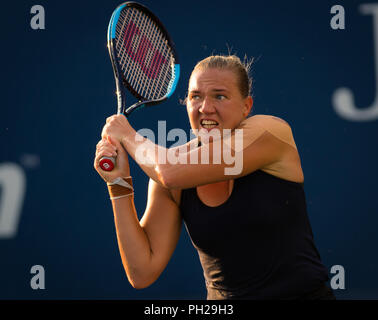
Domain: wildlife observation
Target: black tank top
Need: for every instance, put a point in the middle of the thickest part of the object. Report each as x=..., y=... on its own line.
x=259, y=243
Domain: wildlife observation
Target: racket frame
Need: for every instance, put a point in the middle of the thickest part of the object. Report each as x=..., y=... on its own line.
x=121, y=82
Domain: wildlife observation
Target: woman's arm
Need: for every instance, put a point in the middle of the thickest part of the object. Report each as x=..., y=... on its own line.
x=261, y=147
x=145, y=246
x=264, y=151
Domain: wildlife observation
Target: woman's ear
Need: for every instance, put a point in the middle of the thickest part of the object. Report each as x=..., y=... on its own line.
x=248, y=103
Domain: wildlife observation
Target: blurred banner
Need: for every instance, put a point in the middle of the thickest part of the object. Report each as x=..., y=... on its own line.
x=315, y=65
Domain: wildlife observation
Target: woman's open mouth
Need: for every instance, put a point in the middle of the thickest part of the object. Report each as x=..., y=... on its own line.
x=208, y=124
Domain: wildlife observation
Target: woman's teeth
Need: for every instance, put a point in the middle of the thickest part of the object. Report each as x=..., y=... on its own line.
x=209, y=124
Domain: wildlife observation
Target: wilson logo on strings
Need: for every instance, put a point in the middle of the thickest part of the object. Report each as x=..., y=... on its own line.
x=140, y=50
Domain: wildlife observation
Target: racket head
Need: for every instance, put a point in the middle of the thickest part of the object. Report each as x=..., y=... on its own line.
x=143, y=56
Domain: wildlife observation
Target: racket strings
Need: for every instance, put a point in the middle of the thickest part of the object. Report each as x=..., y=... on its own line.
x=134, y=45
x=137, y=73
x=144, y=54
x=123, y=38
x=128, y=65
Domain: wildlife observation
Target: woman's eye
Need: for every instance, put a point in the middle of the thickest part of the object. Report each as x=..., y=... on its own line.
x=221, y=97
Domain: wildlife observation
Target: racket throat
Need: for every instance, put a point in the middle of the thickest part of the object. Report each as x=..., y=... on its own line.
x=121, y=101
x=137, y=105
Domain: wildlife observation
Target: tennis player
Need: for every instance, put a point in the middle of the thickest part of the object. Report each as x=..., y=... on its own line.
x=251, y=228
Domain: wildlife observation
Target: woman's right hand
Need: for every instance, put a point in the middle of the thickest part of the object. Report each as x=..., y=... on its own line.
x=108, y=147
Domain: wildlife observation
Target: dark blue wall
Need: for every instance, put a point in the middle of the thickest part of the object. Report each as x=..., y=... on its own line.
x=57, y=89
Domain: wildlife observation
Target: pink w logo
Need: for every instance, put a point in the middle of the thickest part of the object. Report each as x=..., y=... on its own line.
x=140, y=49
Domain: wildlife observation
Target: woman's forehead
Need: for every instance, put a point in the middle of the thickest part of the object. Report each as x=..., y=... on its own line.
x=202, y=79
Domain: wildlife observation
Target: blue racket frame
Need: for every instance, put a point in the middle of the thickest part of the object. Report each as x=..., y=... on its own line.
x=121, y=82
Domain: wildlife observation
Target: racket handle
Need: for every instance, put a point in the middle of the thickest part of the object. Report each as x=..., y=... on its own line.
x=107, y=163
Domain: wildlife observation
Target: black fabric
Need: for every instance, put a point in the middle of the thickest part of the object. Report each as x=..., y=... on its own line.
x=259, y=243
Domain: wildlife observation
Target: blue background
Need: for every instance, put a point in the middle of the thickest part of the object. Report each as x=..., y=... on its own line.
x=57, y=89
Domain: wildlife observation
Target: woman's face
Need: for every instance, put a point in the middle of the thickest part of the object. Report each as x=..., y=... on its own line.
x=214, y=100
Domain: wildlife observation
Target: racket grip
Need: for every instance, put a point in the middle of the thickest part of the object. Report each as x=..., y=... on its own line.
x=107, y=163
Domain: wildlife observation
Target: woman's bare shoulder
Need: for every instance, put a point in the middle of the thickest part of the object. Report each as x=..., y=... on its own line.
x=264, y=119
x=278, y=127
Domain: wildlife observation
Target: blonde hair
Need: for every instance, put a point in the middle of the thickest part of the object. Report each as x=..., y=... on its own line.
x=234, y=64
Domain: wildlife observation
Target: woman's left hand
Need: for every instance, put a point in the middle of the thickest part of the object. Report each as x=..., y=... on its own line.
x=116, y=127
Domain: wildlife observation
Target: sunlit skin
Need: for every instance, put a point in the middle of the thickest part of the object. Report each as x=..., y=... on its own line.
x=214, y=95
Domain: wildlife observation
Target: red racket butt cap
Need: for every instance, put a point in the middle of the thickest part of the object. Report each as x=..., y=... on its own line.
x=106, y=164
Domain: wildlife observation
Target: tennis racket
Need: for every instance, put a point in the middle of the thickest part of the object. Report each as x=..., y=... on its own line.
x=144, y=60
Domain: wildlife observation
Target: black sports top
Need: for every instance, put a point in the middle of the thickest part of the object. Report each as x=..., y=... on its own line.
x=259, y=243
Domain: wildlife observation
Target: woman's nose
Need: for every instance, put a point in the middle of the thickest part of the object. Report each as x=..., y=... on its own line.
x=207, y=106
